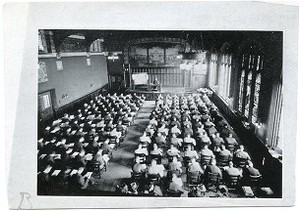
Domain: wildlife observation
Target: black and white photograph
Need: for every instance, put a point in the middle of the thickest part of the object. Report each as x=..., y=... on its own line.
x=160, y=113
x=150, y=104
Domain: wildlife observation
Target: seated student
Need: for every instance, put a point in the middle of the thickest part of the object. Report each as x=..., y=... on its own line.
x=173, y=151
x=224, y=154
x=141, y=151
x=139, y=167
x=186, y=122
x=107, y=148
x=107, y=118
x=152, y=189
x=204, y=140
x=156, y=153
x=189, y=153
x=189, y=140
x=198, y=124
x=241, y=154
x=101, y=124
x=154, y=168
x=98, y=158
x=175, y=130
x=92, y=133
x=125, y=120
x=208, y=124
x=50, y=159
x=230, y=142
x=65, y=118
x=68, y=134
x=78, y=146
x=216, y=141
x=163, y=130
x=206, y=155
x=93, y=146
x=62, y=147
x=205, y=117
x=176, y=184
x=121, y=128
x=249, y=170
x=232, y=171
x=109, y=126
x=199, y=131
x=174, y=120
x=177, y=142
x=149, y=130
x=79, y=161
x=160, y=140
x=153, y=122
x=145, y=140
x=195, y=167
x=175, y=165
x=213, y=169
x=225, y=132
x=78, y=182
x=80, y=133
x=188, y=130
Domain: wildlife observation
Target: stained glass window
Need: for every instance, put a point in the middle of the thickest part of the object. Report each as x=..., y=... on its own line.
x=250, y=96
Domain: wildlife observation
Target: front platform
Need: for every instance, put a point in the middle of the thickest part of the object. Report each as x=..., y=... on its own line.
x=152, y=95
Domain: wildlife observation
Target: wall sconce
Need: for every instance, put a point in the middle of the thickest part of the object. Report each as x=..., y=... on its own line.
x=92, y=85
x=64, y=96
x=88, y=59
x=58, y=55
x=59, y=65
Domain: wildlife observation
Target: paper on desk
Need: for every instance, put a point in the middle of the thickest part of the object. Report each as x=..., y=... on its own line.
x=68, y=171
x=88, y=174
x=75, y=154
x=80, y=170
x=48, y=169
x=69, y=151
x=89, y=156
x=42, y=156
x=74, y=171
x=55, y=173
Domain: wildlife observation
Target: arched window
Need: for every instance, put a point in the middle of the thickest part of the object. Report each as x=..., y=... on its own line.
x=97, y=46
x=220, y=71
x=250, y=82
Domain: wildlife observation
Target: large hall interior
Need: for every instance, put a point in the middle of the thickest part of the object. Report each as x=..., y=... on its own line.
x=159, y=113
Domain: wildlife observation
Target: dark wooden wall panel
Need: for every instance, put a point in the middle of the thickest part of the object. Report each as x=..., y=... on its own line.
x=167, y=76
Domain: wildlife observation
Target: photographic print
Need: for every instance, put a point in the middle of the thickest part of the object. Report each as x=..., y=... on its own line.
x=138, y=105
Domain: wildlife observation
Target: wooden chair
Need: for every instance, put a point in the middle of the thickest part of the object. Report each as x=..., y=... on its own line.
x=205, y=160
x=240, y=162
x=232, y=182
x=193, y=178
x=255, y=181
x=95, y=165
x=153, y=178
x=223, y=161
x=137, y=176
x=212, y=180
x=231, y=147
x=172, y=193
